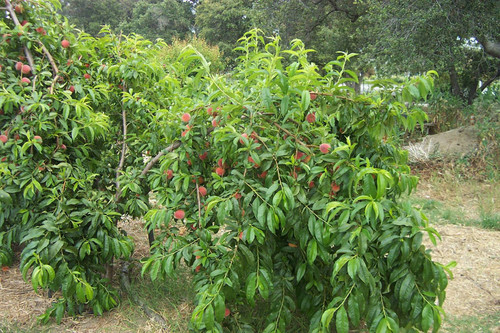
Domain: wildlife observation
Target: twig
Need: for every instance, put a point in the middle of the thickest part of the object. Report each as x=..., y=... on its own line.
x=51, y=90
x=27, y=52
x=155, y=159
x=51, y=60
x=291, y=134
x=199, y=203
x=124, y=150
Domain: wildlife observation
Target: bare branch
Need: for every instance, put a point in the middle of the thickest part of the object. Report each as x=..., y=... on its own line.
x=49, y=56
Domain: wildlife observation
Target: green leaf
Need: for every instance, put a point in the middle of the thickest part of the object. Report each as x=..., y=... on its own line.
x=208, y=317
x=251, y=287
x=339, y=263
x=326, y=318
x=353, y=310
x=427, y=317
x=219, y=307
x=301, y=271
x=341, y=321
x=312, y=251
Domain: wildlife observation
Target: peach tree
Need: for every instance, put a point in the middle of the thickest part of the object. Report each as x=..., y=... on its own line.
x=284, y=190
x=77, y=116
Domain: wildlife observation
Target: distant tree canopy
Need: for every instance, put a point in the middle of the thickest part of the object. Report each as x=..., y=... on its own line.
x=458, y=38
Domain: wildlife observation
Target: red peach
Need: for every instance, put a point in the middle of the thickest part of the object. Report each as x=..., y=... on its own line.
x=209, y=111
x=203, y=156
x=311, y=184
x=23, y=23
x=240, y=236
x=324, y=148
x=227, y=312
x=170, y=174
x=19, y=9
x=179, y=214
x=186, y=117
x=26, y=69
x=202, y=190
x=72, y=89
x=220, y=171
x=63, y=146
x=19, y=66
x=38, y=138
x=237, y=195
x=215, y=123
x=335, y=187
x=311, y=117
x=65, y=43
x=3, y=138
x=244, y=135
x=25, y=80
x=313, y=96
x=86, y=76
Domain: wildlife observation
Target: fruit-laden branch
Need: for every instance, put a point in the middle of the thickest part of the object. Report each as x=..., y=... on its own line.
x=16, y=22
x=155, y=159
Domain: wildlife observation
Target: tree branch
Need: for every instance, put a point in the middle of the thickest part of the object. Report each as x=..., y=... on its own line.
x=49, y=56
x=27, y=52
x=490, y=81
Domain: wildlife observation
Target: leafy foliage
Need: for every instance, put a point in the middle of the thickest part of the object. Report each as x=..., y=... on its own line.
x=277, y=184
x=284, y=220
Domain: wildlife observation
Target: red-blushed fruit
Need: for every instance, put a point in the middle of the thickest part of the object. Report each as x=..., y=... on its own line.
x=63, y=146
x=214, y=123
x=41, y=30
x=311, y=117
x=25, y=80
x=183, y=134
x=38, y=138
x=262, y=175
x=299, y=155
x=186, y=117
x=244, y=135
x=26, y=69
x=220, y=162
x=335, y=187
x=16, y=137
x=19, y=66
x=324, y=148
x=203, y=156
x=179, y=214
x=240, y=236
x=237, y=195
x=227, y=312
x=220, y=171
x=311, y=184
x=307, y=159
x=86, y=76
x=72, y=89
x=202, y=190
x=88, y=65
x=189, y=163
x=65, y=43
x=4, y=138
x=23, y=23
x=170, y=174
x=19, y=9
x=4, y=159
x=313, y=96
x=209, y=111
x=197, y=269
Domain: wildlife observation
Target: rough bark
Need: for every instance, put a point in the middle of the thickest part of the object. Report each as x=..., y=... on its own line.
x=455, y=86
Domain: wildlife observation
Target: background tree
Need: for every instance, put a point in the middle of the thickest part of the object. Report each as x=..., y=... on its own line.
x=222, y=22
x=166, y=19
x=457, y=38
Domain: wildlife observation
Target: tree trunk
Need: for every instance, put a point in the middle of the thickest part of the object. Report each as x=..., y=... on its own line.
x=472, y=90
x=455, y=86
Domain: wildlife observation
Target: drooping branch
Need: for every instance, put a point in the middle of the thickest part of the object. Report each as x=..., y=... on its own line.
x=27, y=52
x=490, y=80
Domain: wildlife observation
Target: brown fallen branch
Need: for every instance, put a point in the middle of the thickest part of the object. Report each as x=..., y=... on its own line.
x=27, y=52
